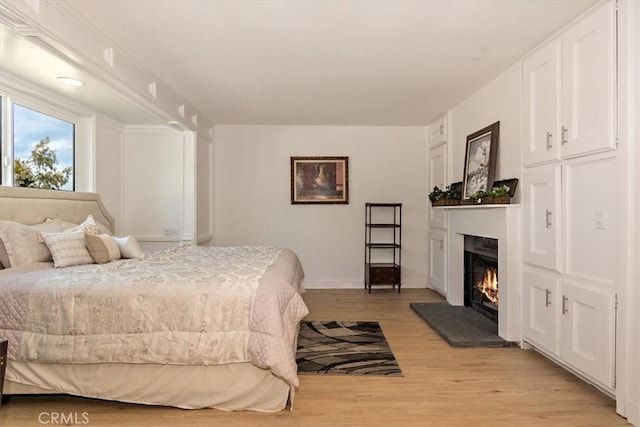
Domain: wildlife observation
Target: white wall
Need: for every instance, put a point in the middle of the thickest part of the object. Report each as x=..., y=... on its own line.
x=154, y=183
x=500, y=100
x=253, y=199
x=108, y=167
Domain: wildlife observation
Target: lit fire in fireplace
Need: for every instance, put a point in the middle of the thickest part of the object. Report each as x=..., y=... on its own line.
x=489, y=285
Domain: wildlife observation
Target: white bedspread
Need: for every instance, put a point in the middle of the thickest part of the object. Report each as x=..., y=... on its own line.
x=188, y=305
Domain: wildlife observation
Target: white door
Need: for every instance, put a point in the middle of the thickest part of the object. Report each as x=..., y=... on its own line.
x=437, y=260
x=541, y=216
x=540, y=310
x=437, y=177
x=588, y=331
x=588, y=84
x=541, y=75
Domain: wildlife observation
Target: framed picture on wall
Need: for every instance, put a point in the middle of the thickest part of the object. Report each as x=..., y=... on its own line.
x=319, y=180
x=480, y=160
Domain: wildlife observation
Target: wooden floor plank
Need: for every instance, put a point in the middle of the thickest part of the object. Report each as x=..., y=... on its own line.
x=442, y=386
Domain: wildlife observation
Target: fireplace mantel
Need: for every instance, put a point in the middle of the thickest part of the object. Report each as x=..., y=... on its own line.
x=500, y=222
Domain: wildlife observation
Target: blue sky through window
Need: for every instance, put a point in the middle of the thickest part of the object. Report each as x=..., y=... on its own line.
x=30, y=126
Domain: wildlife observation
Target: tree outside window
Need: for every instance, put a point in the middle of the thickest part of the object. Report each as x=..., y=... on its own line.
x=42, y=150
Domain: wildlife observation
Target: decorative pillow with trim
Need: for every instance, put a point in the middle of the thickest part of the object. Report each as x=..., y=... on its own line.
x=103, y=248
x=67, y=249
x=88, y=226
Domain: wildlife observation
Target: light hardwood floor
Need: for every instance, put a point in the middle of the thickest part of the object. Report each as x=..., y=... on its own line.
x=441, y=386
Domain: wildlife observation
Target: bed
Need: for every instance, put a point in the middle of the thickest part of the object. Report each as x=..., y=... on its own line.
x=190, y=326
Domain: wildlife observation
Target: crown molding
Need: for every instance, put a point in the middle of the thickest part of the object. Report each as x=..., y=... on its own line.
x=57, y=27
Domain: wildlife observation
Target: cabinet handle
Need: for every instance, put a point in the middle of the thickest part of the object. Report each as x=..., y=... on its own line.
x=547, y=298
x=549, y=145
x=548, y=218
x=441, y=244
x=565, y=309
x=441, y=129
x=564, y=135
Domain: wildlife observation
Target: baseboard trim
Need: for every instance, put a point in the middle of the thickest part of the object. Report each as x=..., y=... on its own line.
x=346, y=284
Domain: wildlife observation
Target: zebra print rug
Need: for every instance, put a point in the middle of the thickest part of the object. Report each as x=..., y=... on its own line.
x=344, y=348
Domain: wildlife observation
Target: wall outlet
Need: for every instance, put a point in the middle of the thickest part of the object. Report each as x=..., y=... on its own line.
x=171, y=231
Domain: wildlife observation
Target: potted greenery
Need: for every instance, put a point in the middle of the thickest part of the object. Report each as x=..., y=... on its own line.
x=447, y=197
x=497, y=195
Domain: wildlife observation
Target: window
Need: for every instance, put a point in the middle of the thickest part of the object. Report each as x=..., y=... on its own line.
x=42, y=146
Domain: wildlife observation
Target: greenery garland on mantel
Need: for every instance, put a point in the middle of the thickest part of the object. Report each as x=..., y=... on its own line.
x=451, y=197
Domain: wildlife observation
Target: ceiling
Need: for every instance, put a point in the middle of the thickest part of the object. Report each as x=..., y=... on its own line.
x=326, y=62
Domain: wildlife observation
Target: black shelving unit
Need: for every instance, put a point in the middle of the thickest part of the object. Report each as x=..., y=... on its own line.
x=383, y=244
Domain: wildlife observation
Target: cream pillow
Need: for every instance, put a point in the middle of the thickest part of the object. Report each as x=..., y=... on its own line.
x=22, y=243
x=129, y=247
x=67, y=248
x=88, y=226
x=103, y=248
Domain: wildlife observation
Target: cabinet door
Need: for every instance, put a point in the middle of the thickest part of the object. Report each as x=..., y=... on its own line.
x=540, y=310
x=588, y=331
x=588, y=84
x=541, y=75
x=437, y=260
x=437, y=133
x=437, y=177
x=541, y=216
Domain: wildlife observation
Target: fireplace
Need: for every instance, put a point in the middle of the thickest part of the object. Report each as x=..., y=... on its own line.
x=481, y=275
x=502, y=224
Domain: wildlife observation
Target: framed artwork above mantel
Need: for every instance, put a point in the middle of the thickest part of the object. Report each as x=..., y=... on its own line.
x=480, y=160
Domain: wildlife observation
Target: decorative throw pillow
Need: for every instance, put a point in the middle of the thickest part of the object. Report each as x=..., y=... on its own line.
x=88, y=226
x=22, y=244
x=103, y=248
x=129, y=247
x=60, y=224
x=67, y=248
x=65, y=225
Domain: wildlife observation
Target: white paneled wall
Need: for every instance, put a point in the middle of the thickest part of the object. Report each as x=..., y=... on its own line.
x=154, y=184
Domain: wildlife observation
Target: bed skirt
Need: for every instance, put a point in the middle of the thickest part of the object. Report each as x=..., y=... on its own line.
x=230, y=387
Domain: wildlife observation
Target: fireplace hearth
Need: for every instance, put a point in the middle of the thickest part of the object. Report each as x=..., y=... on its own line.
x=481, y=276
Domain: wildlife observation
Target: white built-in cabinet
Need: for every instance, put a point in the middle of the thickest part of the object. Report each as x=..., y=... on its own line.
x=437, y=177
x=437, y=133
x=569, y=211
x=542, y=216
x=569, y=91
x=437, y=260
x=437, y=158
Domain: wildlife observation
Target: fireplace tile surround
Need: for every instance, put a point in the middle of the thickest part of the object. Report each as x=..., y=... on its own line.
x=501, y=222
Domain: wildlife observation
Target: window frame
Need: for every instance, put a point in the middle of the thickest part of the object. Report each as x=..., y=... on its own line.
x=45, y=106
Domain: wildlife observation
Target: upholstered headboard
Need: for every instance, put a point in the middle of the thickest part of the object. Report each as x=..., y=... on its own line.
x=33, y=206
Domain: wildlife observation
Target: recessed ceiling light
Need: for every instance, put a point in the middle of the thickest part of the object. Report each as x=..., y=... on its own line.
x=70, y=81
